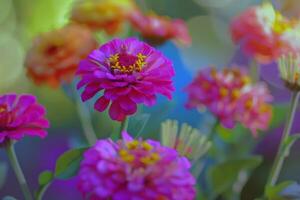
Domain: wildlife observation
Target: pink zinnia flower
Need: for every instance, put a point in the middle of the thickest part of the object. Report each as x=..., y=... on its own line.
x=263, y=32
x=224, y=93
x=158, y=29
x=21, y=115
x=135, y=169
x=129, y=72
x=253, y=110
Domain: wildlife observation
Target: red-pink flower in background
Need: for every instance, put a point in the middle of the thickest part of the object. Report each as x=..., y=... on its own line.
x=231, y=97
x=253, y=111
x=135, y=169
x=55, y=55
x=21, y=115
x=264, y=33
x=158, y=29
x=128, y=72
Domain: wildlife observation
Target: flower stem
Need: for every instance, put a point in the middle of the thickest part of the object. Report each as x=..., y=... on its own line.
x=254, y=71
x=213, y=129
x=86, y=123
x=18, y=171
x=42, y=191
x=280, y=156
x=124, y=125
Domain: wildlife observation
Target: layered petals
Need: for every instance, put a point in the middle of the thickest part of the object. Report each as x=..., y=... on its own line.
x=129, y=72
x=135, y=169
x=21, y=115
x=54, y=56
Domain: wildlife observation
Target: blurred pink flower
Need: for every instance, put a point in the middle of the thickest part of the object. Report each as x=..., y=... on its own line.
x=158, y=29
x=55, y=55
x=21, y=115
x=129, y=72
x=225, y=92
x=135, y=169
x=253, y=111
x=264, y=33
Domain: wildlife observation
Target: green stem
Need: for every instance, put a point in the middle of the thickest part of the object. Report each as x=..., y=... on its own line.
x=124, y=125
x=254, y=71
x=280, y=156
x=42, y=191
x=18, y=171
x=86, y=122
x=211, y=134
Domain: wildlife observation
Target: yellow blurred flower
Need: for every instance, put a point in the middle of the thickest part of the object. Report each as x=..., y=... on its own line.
x=108, y=15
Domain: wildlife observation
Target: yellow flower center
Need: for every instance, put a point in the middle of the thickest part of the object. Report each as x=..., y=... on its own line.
x=127, y=63
x=139, y=153
x=280, y=24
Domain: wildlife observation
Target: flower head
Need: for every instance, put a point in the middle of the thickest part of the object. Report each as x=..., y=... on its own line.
x=189, y=142
x=54, y=56
x=21, y=115
x=264, y=33
x=129, y=72
x=158, y=29
x=106, y=15
x=135, y=169
x=221, y=92
x=253, y=109
x=289, y=68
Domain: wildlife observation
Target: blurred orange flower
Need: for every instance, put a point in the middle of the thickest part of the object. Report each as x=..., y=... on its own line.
x=54, y=56
x=108, y=15
x=158, y=29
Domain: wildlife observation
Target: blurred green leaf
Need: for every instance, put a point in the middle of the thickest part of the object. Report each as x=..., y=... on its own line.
x=68, y=163
x=232, y=135
x=279, y=115
x=225, y=174
x=45, y=177
x=273, y=193
x=3, y=173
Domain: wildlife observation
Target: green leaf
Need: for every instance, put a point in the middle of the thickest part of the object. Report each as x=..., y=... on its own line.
x=273, y=192
x=3, y=173
x=224, y=175
x=279, y=115
x=68, y=163
x=45, y=177
x=232, y=135
x=138, y=123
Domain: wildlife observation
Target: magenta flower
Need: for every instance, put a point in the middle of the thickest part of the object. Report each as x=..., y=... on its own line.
x=231, y=97
x=21, y=115
x=129, y=72
x=135, y=169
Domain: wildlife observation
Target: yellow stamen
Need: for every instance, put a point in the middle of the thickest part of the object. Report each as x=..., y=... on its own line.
x=147, y=146
x=132, y=145
x=151, y=159
x=249, y=104
x=235, y=94
x=223, y=92
x=137, y=66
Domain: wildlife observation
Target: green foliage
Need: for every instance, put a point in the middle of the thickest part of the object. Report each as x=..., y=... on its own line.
x=224, y=175
x=273, y=193
x=138, y=122
x=68, y=163
x=45, y=177
x=279, y=115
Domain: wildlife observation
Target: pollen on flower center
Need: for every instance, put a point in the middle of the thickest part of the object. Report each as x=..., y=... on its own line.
x=127, y=63
x=139, y=153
